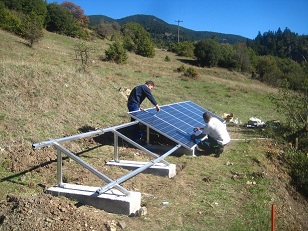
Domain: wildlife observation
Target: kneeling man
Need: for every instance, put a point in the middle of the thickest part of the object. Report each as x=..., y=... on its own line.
x=217, y=133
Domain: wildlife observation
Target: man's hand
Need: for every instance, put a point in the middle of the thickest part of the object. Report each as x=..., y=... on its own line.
x=157, y=108
x=193, y=138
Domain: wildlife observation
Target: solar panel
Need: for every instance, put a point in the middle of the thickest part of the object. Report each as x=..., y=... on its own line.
x=175, y=121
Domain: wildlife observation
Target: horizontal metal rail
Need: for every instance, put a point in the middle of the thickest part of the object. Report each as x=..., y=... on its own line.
x=135, y=172
x=79, y=136
x=90, y=168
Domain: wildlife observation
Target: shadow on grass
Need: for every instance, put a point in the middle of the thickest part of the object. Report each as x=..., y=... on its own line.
x=42, y=165
x=159, y=144
x=189, y=62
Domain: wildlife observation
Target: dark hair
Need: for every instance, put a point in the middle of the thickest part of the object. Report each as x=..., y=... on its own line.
x=206, y=116
x=149, y=83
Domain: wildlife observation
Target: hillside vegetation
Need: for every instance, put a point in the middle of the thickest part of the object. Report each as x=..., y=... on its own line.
x=45, y=95
x=162, y=31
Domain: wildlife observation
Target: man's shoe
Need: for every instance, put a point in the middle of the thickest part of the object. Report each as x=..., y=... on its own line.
x=218, y=150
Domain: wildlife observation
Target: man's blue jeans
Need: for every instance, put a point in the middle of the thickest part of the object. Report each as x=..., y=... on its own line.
x=135, y=132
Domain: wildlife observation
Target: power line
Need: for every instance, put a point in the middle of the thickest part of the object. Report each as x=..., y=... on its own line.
x=178, y=21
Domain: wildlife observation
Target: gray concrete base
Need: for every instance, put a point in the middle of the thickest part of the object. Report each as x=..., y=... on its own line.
x=112, y=201
x=159, y=169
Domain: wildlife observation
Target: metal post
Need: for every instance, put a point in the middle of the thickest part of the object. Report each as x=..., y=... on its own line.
x=116, y=142
x=90, y=168
x=59, y=167
x=148, y=135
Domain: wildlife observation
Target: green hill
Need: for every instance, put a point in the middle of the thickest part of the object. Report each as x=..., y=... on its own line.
x=160, y=30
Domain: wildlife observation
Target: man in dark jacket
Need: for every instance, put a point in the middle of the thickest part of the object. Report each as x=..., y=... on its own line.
x=136, y=97
x=138, y=94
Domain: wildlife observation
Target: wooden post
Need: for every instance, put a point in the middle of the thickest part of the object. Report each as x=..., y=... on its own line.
x=273, y=217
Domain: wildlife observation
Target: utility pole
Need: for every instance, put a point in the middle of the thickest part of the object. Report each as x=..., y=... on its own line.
x=178, y=21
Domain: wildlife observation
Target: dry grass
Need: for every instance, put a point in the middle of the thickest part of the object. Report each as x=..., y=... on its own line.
x=44, y=96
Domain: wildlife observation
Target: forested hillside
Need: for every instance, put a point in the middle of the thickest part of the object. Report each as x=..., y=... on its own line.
x=162, y=31
x=282, y=44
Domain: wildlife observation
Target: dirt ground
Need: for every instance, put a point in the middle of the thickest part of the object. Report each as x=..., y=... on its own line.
x=41, y=211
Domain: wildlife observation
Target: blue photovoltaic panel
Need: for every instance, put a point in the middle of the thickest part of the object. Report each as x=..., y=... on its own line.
x=175, y=121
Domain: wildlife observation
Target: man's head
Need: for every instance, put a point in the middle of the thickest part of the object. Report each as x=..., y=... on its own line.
x=150, y=84
x=206, y=116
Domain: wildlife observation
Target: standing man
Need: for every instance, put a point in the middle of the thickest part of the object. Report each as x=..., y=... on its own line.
x=217, y=133
x=138, y=94
x=136, y=97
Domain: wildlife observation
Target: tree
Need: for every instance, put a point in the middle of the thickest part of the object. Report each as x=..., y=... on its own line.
x=242, y=57
x=116, y=53
x=61, y=20
x=145, y=47
x=77, y=12
x=268, y=70
x=227, y=59
x=31, y=28
x=107, y=30
x=185, y=49
x=9, y=20
x=286, y=44
x=208, y=52
x=34, y=7
x=292, y=72
x=82, y=53
x=137, y=39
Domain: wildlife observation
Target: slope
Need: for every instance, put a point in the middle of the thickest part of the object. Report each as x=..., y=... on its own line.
x=43, y=95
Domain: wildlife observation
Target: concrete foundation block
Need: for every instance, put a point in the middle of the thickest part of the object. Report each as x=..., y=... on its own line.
x=159, y=169
x=112, y=201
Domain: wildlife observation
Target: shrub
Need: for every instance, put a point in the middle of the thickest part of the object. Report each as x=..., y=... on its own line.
x=180, y=69
x=167, y=59
x=116, y=53
x=82, y=53
x=137, y=39
x=32, y=30
x=10, y=21
x=208, y=52
x=191, y=72
x=299, y=172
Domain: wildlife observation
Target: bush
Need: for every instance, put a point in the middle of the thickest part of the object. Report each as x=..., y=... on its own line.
x=10, y=21
x=191, y=72
x=167, y=59
x=32, y=30
x=137, y=39
x=116, y=53
x=208, y=52
x=299, y=172
x=180, y=69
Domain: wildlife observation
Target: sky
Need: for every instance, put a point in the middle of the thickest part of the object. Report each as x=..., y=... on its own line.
x=239, y=17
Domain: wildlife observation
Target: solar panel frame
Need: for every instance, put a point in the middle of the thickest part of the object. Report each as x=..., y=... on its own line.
x=175, y=121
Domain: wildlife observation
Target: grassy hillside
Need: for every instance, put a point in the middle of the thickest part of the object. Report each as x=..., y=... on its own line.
x=43, y=95
x=46, y=96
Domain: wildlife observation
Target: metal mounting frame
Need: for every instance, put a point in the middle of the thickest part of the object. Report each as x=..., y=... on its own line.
x=110, y=183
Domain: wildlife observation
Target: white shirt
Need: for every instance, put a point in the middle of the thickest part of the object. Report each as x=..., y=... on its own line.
x=217, y=130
